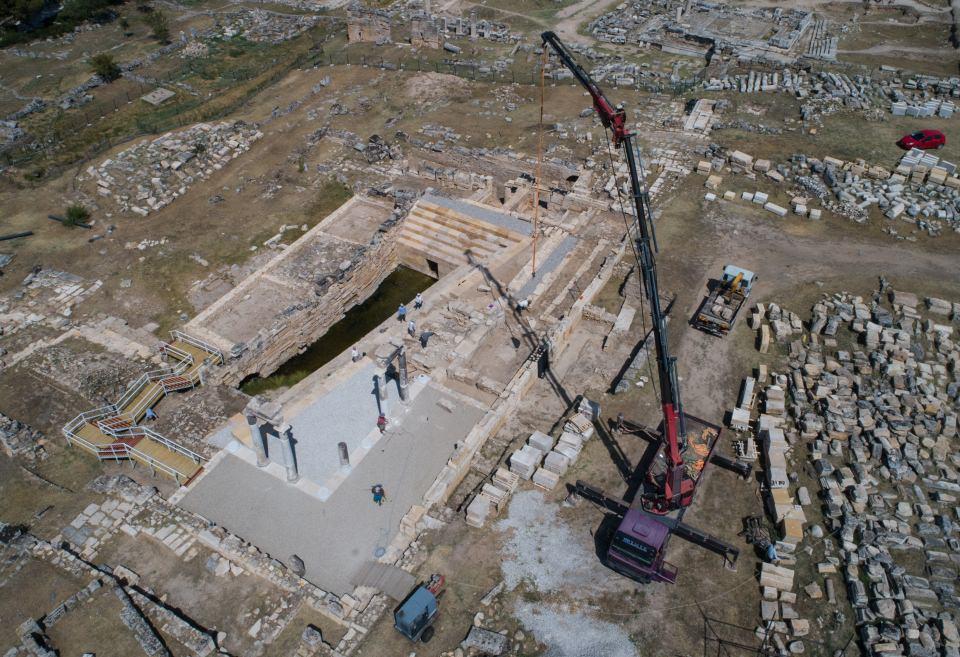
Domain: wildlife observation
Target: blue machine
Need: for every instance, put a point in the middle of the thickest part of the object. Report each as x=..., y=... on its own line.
x=416, y=614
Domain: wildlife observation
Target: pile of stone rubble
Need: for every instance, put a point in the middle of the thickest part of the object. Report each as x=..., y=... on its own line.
x=543, y=460
x=825, y=92
x=18, y=439
x=262, y=26
x=150, y=175
x=922, y=190
x=867, y=405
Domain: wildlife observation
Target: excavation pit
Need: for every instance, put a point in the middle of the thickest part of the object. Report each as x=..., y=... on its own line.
x=401, y=286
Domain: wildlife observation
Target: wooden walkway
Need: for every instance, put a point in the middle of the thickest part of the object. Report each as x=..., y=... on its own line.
x=113, y=432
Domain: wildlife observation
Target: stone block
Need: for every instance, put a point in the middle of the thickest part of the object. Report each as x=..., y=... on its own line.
x=769, y=610
x=545, y=479
x=741, y=159
x=813, y=591
x=740, y=419
x=934, y=305
x=775, y=209
x=541, y=441
x=764, y=338
x=556, y=462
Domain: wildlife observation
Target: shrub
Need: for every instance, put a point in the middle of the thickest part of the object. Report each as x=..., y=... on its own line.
x=104, y=66
x=76, y=214
x=159, y=25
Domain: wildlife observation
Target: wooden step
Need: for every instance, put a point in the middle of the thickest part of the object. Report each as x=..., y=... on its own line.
x=119, y=447
x=148, y=448
x=115, y=423
x=175, y=383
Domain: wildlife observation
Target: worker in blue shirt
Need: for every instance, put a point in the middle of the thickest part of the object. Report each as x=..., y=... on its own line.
x=402, y=312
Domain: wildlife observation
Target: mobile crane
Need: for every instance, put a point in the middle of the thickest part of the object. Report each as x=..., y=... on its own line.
x=638, y=546
x=677, y=487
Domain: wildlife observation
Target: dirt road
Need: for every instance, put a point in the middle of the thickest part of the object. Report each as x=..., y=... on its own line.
x=573, y=16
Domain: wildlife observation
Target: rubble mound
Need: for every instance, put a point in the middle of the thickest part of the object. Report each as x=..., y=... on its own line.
x=150, y=175
x=262, y=26
x=868, y=398
x=18, y=439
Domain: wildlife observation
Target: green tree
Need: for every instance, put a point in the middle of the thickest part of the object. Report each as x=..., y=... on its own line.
x=76, y=214
x=104, y=66
x=20, y=10
x=77, y=11
x=159, y=25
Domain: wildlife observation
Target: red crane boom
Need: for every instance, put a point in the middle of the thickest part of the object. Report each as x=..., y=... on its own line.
x=676, y=488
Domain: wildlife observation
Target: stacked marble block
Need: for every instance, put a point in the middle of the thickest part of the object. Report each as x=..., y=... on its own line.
x=544, y=459
x=492, y=497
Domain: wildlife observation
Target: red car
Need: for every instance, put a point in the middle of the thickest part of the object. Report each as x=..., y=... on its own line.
x=924, y=139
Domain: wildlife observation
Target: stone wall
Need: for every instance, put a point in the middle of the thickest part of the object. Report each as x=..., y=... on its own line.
x=314, y=318
x=366, y=25
x=509, y=400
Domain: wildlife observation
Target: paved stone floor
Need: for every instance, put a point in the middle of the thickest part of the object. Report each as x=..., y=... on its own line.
x=337, y=536
x=347, y=413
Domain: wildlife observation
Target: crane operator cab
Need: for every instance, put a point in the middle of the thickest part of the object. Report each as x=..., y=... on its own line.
x=638, y=547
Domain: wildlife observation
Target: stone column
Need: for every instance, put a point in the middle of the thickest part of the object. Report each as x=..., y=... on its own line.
x=344, y=457
x=257, y=438
x=402, y=371
x=290, y=460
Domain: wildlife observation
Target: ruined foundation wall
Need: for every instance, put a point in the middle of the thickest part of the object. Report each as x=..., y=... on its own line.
x=509, y=401
x=559, y=337
x=303, y=327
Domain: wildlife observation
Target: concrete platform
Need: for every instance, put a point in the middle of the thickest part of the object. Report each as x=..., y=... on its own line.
x=336, y=537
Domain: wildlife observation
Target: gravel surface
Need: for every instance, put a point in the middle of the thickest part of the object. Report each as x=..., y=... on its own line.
x=545, y=553
x=568, y=632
